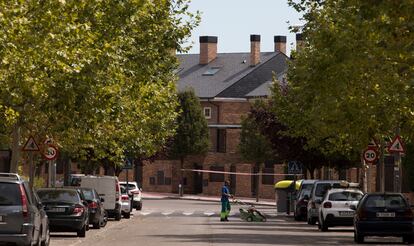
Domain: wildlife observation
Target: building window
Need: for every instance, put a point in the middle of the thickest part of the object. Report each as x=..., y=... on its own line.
x=167, y=181
x=216, y=177
x=160, y=178
x=221, y=140
x=207, y=112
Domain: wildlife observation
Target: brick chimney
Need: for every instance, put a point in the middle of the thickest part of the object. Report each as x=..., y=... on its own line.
x=299, y=41
x=208, y=49
x=280, y=44
x=254, y=50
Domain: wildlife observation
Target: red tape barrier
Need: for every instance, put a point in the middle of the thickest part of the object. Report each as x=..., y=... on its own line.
x=236, y=173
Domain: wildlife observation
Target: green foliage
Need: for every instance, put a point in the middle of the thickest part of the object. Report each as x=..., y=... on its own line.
x=192, y=137
x=353, y=78
x=92, y=74
x=254, y=146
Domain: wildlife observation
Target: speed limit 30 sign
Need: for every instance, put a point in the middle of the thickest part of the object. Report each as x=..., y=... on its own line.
x=370, y=155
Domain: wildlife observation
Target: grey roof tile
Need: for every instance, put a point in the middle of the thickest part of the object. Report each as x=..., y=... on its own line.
x=234, y=67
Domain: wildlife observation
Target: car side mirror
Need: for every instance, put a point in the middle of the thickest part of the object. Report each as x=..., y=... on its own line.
x=353, y=207
x=102, y=200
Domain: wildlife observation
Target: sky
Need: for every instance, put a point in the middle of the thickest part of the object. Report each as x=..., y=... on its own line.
x=234, y=20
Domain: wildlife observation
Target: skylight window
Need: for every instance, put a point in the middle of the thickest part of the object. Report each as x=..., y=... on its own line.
x=211, y=71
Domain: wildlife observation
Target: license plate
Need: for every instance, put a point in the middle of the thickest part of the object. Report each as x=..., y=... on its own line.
x=57, y=210
x=1, y=218
x=385, y=215
x=346, y=213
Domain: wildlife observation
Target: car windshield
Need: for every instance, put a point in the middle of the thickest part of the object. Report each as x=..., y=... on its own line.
x=321, y=189
x=64, y=196
x=387, y=201
x=88, y=194
x=10, y=194
x=345, y=196
x=303, y=193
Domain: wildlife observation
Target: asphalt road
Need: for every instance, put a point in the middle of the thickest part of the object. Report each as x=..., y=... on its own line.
x=169, y=222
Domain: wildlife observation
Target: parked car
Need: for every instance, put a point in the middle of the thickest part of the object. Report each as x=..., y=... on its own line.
x=109, y=189
x=383, y=214
x=22, y=218
x=318, y=191
x=66, y=209
x=136, y=193
x=97, y=214
x=335, y=208
x=302, y=198
x=126, y=206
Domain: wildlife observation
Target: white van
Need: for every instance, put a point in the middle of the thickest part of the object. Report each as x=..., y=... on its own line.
x=108, y=188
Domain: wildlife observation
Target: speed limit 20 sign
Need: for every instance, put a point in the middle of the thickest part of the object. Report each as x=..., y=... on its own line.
x=370, y=155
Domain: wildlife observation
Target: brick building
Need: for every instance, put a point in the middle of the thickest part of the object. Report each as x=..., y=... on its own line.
x=226, y=84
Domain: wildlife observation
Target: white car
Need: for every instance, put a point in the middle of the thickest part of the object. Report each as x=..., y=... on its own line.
x=335, y=208
x=126, y=205
x=136, y=193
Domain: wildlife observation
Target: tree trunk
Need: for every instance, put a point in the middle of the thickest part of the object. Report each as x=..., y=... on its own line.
x=181, y=185
x=258, y=179
x=14, y=163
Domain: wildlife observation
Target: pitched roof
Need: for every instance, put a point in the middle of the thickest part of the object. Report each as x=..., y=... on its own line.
x=235, y=77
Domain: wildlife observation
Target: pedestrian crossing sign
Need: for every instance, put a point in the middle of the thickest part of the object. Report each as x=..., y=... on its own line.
x=31, y=145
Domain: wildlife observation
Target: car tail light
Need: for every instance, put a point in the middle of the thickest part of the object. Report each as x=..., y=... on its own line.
x=327, y=205
x=93, y=205
x=25, y=209
x=78, y=210
x=125, y=198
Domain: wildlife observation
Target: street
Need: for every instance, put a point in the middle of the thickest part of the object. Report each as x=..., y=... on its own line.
x=173, y=222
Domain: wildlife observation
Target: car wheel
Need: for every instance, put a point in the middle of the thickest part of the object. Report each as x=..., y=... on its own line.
x=139, y=206
x=104, y=219
x=97, y=225
x=295, y=216
x=46, y=242
x=127, y=215
x=118, y=216
x=358, y=238
x=408, y=239
x=82, y=232
x=322, y=225
x=312, y=221
x=87, y=225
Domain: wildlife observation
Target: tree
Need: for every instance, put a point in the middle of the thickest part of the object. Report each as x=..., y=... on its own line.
x=192, y=137
x=351, y=80
x=91, y=74
x=254, y=147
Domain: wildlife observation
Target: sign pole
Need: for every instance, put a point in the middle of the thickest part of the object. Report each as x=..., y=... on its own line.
x=31, y=170
x=382, y=166
x=397, y=167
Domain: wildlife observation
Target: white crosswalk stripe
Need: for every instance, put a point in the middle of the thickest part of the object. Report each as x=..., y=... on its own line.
x=181, y=213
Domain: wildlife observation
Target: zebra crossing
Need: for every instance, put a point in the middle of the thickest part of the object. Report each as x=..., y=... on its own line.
x=191, y=213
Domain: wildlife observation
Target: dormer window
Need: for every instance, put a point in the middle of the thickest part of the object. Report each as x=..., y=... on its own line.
x=207, y=112
x=211, y=71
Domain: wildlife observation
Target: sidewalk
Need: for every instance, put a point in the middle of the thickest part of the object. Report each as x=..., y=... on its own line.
x=155, y=195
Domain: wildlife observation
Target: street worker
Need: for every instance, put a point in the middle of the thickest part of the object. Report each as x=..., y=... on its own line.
x=225, y=203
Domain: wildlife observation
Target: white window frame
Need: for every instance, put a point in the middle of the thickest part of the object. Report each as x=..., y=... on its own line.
x=204, y=112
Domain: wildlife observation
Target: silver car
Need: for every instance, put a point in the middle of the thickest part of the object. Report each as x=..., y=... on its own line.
x=22, y=218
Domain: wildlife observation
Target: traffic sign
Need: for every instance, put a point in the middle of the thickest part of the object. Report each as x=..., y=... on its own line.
x=294, y=167
x=31, y=145
x=396, y=146
x=50, y=153
x=128, y=163
x=370, y=155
